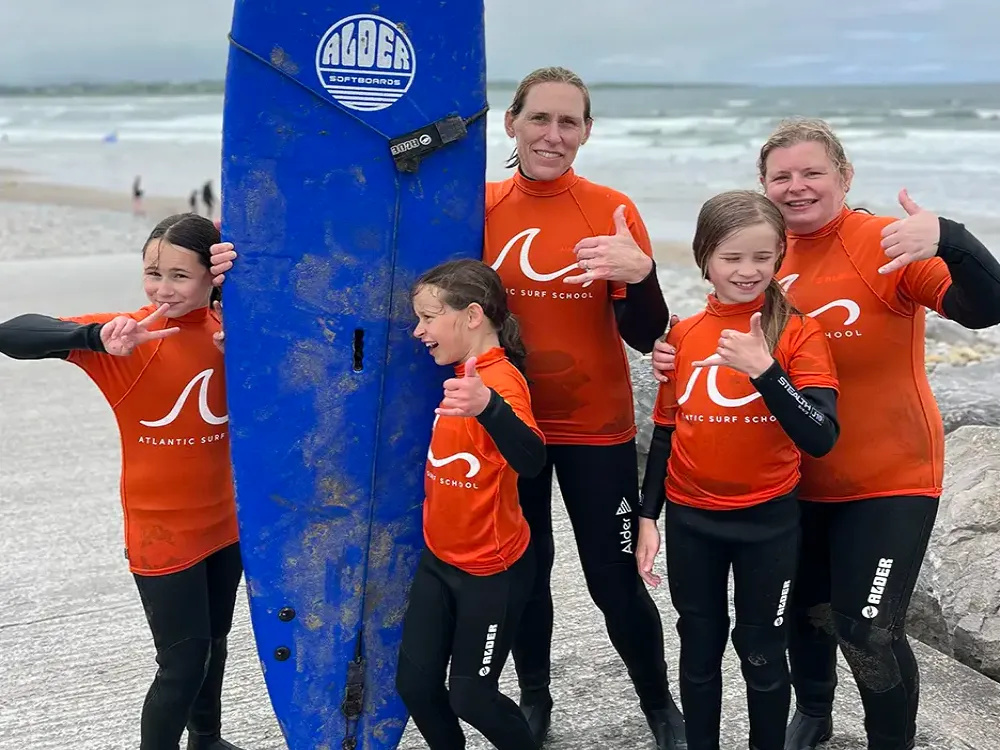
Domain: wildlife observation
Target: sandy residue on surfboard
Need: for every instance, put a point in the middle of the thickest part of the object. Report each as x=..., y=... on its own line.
x=284, y=63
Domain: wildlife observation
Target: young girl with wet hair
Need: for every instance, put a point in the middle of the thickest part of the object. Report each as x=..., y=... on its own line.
x=576, y=261
x=478, y=567
x=868, y=508
x=177, y=497
x=754, y=389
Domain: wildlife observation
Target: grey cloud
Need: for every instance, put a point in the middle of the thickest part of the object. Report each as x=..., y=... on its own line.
x=759, y=41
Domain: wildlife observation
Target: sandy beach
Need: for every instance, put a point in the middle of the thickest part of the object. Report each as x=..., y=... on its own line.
x=75, y=654
x=21, y=188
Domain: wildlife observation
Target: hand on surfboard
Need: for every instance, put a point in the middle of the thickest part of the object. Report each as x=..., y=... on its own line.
x=221, y=261
x=220, y=337
x=614, y=257
x=121, y=335
x=464, y=397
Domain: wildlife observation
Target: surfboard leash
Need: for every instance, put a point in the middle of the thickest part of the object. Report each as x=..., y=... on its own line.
x=407, y=150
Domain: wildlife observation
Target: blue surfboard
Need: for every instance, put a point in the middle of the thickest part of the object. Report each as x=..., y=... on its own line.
x=353, y=160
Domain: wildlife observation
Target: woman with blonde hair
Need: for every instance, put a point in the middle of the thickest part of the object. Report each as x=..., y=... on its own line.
x=868, y=507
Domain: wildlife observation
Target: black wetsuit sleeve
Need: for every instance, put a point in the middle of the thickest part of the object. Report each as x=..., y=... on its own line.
x=520, y=446
x=654, y=493
x=643, y=315
x=808, y=416
x=35, y=336
x=973, y=299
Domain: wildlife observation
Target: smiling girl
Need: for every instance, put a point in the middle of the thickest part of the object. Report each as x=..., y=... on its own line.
x=161, y=370
x=869, y=281
x=476, y=572
x=576, y=261
x=754, y=388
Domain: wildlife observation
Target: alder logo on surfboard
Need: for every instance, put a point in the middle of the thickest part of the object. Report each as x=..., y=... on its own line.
x=366, y=62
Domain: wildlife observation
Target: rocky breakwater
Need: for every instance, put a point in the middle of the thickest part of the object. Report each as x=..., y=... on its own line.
x=963, y=366
x=956, y=606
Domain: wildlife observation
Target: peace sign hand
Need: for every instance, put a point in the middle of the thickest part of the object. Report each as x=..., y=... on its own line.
x=464, y=397
x=911, y=239
x=615, y=257
x=743, y=352
x=122, y=334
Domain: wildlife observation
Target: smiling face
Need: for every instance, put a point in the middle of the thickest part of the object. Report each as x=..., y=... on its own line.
x=175, y=276
x=450, y=335
x=806, y=185
x=549, y=129
x=744, y=263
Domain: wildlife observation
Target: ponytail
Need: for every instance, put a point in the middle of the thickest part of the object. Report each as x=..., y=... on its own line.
x=509, y=334
x=776, y=313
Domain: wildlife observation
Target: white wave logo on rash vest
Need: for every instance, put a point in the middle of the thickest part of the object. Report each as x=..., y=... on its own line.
x=524, y=259
x=366, y=62
x=201, y=380
x=437, y=463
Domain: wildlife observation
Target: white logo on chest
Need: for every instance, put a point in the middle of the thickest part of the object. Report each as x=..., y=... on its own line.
x=528, y=236
x=437, y=463
x=204, y=411
x=713, y=390
x=852, y=308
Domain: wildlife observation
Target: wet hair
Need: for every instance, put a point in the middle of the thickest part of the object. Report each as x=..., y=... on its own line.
x=191, y=232
x=466, y=282
x=719, y=219
x=545, y=75
x=795, y=130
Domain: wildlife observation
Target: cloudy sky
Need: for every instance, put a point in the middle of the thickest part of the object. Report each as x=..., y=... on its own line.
x=756, y=41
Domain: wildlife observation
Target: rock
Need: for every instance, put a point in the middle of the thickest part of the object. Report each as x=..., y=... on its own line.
x=956, y=604
x=948, y=332
x=644, y=389
x=968, y=395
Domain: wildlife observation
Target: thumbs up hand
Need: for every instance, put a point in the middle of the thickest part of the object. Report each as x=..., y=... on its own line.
x=467, y=396
x=744, y=352
x=914, y=238
x=612, y=257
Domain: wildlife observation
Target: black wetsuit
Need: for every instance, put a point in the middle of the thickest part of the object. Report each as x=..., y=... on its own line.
x=760, y=544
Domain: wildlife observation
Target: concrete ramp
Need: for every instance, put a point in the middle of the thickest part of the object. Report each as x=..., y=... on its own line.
x=76, y=656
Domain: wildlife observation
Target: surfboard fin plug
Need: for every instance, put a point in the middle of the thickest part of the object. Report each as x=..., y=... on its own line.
x=410, y=149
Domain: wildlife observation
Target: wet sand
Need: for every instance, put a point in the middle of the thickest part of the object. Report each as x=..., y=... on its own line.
x=18, y=187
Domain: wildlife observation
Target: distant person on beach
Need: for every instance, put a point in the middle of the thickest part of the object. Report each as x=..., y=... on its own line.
x=208, y=198
x=181, y=538
x=137, y=208
x=193, y=201
x=478, y=566
x=755, y=389
x=577, y=262
x=869, y=506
